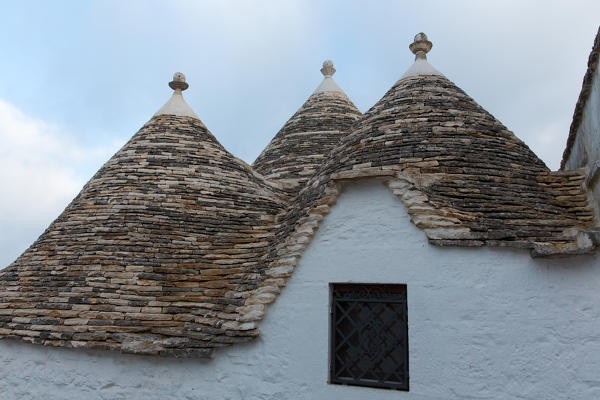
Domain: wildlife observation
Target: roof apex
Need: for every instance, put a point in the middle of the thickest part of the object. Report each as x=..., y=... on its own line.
x=420, y=47
x=328, y=84
x=177, y=105
x=303, y=143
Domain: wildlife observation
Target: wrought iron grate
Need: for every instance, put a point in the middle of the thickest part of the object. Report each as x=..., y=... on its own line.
x=369, y=335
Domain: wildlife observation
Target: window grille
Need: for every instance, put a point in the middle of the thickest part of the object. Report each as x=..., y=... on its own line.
x=368, y=335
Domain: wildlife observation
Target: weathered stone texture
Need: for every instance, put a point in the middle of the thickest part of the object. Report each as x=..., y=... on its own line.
x=154, y=255
x=176, y=248
x=461, y=164
x=304, y=142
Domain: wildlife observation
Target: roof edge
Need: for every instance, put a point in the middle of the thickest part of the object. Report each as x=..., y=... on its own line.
x=328, y=85
x=421, y=67
x=583, y=97
x=176, y=106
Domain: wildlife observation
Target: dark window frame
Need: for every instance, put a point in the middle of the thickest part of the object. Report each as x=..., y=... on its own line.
x=368, y=333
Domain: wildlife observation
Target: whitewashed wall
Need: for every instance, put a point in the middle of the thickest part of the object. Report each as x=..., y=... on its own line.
x=483, y=324
x=585, y=151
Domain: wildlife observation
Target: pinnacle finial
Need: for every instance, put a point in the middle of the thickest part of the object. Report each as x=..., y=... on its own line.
x=178, y=82
x=328, y=69
x=420, y=46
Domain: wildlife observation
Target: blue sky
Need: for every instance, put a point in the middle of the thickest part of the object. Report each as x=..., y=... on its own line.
x=79, y=78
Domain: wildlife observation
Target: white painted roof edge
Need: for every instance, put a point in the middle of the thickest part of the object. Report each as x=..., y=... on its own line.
x=420, y=47
x=421, y=67
x=328, y=85
x=177, y=106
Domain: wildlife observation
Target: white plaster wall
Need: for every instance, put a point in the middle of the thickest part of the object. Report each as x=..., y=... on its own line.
x=483, y=324
x=586, y=147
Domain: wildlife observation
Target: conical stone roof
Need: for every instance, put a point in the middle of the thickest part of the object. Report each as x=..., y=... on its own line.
x=303, y=143
x=156, y=253
x=175, y=247
x=463, y=176
x=466, y=163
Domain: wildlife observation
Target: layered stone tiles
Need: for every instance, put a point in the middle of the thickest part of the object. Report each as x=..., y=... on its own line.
x=304, y=142
x=155, y=255
x=175, y=247
x=464, y=178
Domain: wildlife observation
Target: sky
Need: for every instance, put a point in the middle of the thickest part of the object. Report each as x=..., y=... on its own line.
x=78, y=79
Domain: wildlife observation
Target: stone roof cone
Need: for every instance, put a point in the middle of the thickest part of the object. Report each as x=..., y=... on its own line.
x=155, y=253
x=425, y=114
x=303, y=143
x=175, y=247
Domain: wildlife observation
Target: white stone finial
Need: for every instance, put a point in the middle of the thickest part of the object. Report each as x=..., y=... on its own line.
x=328, y=84
x=176, y=104
x=328, y=69
x=420, y=46
x=178, y=82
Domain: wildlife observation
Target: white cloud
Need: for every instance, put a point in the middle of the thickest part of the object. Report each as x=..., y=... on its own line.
x=41, y=170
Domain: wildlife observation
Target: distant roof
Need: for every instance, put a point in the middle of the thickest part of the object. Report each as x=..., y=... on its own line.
x=302, y=145
x=175, y=247
x=586, y=88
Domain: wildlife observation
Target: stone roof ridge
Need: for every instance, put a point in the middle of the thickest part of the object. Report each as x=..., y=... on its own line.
x=177, y=105
x=328, y=84
x=586, y=89
x=305, y=140
x=273, y=187
x=420, y=47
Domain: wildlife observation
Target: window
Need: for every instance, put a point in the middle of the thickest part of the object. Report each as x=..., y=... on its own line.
x=368, y=335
